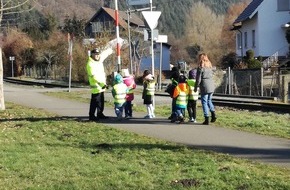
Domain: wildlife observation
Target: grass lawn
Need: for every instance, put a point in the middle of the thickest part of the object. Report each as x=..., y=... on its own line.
x=42, y=151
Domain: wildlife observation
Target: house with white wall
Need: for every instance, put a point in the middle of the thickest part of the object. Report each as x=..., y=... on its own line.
x=261, y=27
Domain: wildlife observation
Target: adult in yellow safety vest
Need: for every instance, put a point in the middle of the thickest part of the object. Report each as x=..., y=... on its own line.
x=97, y=79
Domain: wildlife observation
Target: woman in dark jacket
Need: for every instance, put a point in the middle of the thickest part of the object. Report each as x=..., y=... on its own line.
x=204, y=81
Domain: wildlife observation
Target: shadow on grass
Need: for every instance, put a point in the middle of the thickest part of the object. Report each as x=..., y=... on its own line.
x=274, y=156
x=270, y=155
x=36, y=119
x=131, y=146
x=110, y=120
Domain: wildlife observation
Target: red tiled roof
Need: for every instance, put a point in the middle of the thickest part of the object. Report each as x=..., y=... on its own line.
x=123, y=17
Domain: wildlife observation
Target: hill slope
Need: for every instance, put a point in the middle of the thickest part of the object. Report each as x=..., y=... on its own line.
x=171, y=19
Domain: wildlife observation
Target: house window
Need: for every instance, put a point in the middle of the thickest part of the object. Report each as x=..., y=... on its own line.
x=283, y=5
x=253, y=38
x=246, y=39
x=239, y=40
x=106, y=26
x=109, y=26
x=97, y=27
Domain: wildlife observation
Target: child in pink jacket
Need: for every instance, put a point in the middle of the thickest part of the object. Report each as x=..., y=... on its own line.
x=130, y=82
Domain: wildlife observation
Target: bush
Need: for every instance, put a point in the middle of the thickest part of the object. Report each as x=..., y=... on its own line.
x=254, y=64
x=250, y=54
x=229, y=60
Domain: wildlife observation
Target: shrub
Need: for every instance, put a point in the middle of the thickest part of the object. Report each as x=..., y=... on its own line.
x=229, y=60
x=254, y=64
x=250, y=54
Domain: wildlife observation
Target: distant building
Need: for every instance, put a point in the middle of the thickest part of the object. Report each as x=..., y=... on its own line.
x=147, y=60
x=261, y=27
x=104, y=21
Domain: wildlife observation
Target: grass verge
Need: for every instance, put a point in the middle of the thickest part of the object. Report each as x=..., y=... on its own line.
x=43, y=151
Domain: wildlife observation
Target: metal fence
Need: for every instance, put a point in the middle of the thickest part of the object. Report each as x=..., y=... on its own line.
x=251, y=82
x=44, y=72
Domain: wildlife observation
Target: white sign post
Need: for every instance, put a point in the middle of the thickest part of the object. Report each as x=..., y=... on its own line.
x=161, y=39
x=151, y=18
x=70, y=50
x=12, y=58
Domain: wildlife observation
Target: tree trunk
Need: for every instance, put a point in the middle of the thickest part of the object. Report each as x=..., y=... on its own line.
x=2, y=104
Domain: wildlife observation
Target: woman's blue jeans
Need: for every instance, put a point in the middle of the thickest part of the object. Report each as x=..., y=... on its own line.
x=206, y=102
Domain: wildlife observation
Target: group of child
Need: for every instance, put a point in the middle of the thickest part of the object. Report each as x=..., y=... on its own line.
x=182, y=94
x=123, y=94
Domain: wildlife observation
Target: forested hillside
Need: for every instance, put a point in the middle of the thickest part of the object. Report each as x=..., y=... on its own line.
x=172, y=19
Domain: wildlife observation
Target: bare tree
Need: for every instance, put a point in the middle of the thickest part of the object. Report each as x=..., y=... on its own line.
x=8, y=7
x=228, y=36
x=203, y=28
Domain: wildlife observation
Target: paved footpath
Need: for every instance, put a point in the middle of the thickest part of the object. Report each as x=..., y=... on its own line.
x=260, y=148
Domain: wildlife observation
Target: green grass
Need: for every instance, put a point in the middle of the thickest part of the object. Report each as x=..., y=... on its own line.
x=42, y=151
x=265, y=123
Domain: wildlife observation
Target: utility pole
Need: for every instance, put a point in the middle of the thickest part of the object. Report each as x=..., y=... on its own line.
x=129, y=33
x=129, y=40
x=70, y=48
x=118, y=36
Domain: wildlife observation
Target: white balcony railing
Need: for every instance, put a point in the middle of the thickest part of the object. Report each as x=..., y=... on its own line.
x=273, y=59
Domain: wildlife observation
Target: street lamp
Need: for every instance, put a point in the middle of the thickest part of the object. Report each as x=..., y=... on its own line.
x=12, y=58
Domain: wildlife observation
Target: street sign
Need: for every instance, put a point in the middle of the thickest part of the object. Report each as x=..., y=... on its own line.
x=151, y=18
x=138, y=2
x=162, y=39
x=148, y=35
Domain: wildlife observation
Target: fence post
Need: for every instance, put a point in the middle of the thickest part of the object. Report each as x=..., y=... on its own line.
x=262, y=81
x=250, y=85
x=229, y=80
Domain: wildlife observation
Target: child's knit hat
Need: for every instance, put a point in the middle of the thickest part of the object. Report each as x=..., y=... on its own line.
x=181, y=79
x=118, y=79
x=192, y=74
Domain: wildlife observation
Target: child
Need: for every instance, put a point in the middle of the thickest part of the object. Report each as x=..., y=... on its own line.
x=119, y=93
x=192, y=96
x=181, y=95
x=174, y=82
x=130, y=82
x=148, y=93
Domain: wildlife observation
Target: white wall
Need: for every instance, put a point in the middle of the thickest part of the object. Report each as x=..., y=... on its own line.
x=270, y=36
x=248, y=26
